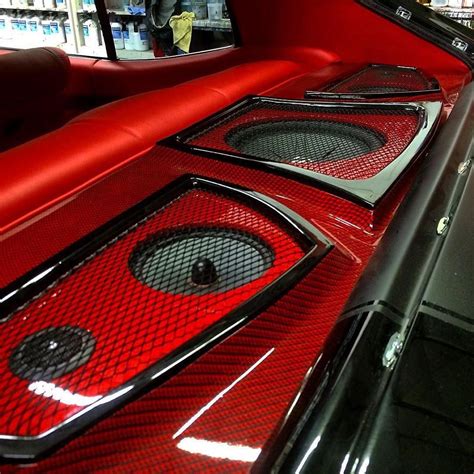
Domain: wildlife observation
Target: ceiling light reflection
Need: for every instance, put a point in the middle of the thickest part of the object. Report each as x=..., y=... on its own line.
x=221, y=394
x=50, y=390
x=219, y=450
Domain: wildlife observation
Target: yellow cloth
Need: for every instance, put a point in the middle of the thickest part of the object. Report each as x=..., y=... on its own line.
x=182, y=26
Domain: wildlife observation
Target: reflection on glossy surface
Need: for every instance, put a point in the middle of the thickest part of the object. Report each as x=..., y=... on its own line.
x=221, y=394
x=313, y=446
x=219, y=450
x=50, y=390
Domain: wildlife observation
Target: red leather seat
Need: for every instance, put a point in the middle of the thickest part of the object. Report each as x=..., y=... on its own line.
x=31, y=83
x=43, y=172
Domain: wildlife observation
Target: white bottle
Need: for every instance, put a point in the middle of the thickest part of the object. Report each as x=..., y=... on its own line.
x=50, y=4
x=128, y=36
x=22, y=37
x=34, y=30
x=61, y=4
x=117, y=35
x=46, y=29
x=38, y=4
x=455, y=3
x=22, y=3
x=5, y=26
x=57, y=31
x=141, y=42
x=91, y=34
x=88, y=5
x=14, y=35
x=68, y=32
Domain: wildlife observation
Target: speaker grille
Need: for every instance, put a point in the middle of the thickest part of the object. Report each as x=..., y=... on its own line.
x=167, y=262
x=386, y=80
x=343, y=142
x=201, y=255
x=51, y=353
x=304, y=142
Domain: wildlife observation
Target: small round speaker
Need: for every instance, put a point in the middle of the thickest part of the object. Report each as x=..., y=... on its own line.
x=304, y=141
x=51, y=353
x=200, y=261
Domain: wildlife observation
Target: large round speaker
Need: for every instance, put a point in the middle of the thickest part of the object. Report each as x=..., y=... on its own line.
x=200, y=261
x=51, y=353
x=304, y=141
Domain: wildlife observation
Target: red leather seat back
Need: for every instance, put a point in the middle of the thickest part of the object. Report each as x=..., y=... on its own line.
x=31, y=101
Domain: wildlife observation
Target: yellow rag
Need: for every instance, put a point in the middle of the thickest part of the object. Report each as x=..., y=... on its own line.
x=182, y=26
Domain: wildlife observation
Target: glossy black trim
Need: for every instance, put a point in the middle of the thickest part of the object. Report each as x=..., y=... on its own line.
x=104, y=21
x=326, y=94
x=328, y=427
x=427, y=24
x=367, y=192
x=315, y=245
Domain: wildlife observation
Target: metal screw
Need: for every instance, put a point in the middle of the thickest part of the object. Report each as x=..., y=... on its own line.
x=442, y=225
x=464, y=166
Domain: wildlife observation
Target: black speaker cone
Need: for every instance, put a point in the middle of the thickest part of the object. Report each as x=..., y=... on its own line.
x=51, y=353
x=304, y=141
x=200, y=261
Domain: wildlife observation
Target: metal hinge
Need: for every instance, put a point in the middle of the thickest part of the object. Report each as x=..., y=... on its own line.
x=460, y=44
x=394, y=347
x=404, y=13
x=443, y=225
x=464, y=166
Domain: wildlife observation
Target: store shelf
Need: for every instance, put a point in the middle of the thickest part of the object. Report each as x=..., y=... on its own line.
x=212, y=25
x=35, y=9
x=123, y=13
x=15, y=44
x=127, y=54
x=461, y=14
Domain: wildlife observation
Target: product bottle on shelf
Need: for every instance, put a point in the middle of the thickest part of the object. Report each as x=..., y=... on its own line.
x=49, y=4
x=117, y=35
x=38, y=3
x=46, y=29
x=141, y=41
x=57, y=31
x=22, y=30
x=128, y=36
x=34, y=30
x=88, y=5
x=61, y=4
x=5, y=25
x=68, y=32
x=91, y=34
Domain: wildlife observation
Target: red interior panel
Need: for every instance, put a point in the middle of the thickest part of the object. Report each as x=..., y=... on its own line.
x=135, y=325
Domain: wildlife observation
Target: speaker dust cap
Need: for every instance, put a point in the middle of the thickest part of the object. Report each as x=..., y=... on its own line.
x=151, y=291
x=356, y=150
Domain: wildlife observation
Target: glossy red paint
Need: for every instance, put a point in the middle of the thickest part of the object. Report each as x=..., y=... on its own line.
x=237, y=394
x=134, y=325
x=293, y=329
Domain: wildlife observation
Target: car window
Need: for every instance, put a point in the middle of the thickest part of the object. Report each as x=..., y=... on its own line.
x=124, y=29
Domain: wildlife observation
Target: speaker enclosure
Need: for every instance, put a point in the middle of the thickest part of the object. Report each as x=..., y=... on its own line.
x=304, y=247
x=379, y=81
x=210, y=137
